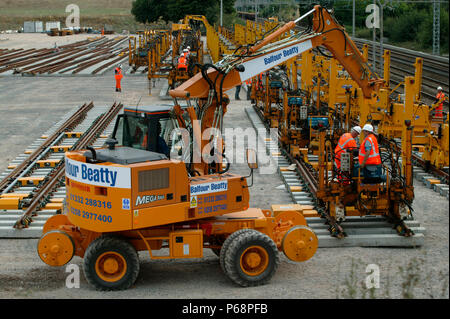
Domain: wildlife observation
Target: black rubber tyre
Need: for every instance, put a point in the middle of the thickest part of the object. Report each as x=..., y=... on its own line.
x=227, y=243
x=244, y=248
x=115, y=251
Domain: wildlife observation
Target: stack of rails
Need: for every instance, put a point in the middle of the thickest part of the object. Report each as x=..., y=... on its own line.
x=300, y=181
x=83, y=57
x=32, y=188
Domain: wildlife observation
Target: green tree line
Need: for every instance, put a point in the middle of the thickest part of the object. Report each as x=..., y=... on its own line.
x=404, y=22
x=149, y=11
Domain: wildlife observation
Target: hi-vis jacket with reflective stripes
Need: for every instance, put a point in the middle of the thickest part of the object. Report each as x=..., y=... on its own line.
x=345, y=142
x=374, y=155
x=439, y=109
x=182, y=62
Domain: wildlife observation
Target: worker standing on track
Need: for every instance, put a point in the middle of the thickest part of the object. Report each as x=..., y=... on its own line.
x=118, y=76
x=369, y=154
x=438, y=111
x=346, y=142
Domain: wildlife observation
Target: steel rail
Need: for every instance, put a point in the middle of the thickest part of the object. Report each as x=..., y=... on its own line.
x=71, y=122
x=71, y=60
x=56, y=178
x=311, y=181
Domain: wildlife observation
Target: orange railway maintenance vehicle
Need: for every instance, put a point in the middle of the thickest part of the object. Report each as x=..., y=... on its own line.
x=131, y=197
x=128, y=198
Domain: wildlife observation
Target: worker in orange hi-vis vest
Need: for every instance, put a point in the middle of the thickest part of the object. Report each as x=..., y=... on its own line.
x=369, y=154
x=118, y=76
x=182, y=63
x=438, y=111
x=347, y=142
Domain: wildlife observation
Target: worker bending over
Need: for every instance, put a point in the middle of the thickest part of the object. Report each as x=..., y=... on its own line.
x=118, y=76
x=347, y=142
x=369, y=155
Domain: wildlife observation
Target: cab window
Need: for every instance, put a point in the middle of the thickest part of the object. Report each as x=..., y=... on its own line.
x=152, y=134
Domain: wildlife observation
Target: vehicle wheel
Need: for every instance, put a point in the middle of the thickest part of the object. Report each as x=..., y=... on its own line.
x=251, y=259
x=111, y=263
x=227, y=243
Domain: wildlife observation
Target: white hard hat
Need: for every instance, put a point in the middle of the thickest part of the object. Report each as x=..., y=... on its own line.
x=368, y=128
x=189, y=47
x=357, y=129
x=120, y=66
x=439, y=88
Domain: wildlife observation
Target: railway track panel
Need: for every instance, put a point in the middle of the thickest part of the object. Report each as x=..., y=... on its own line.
x=435, y=69
x=44, y=189
x=81, y=58
x=367, y=231
x=432, y=177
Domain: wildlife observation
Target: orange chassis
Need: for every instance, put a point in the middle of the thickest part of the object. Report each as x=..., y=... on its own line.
x=107, y=226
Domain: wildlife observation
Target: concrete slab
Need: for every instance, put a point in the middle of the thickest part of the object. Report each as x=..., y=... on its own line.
x=372, y=240
x=430, y=182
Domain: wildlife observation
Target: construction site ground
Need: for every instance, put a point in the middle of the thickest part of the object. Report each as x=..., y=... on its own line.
x=42, y=40
x=30, y=105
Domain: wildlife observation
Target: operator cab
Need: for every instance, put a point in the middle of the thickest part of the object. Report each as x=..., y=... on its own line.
x=146, y=128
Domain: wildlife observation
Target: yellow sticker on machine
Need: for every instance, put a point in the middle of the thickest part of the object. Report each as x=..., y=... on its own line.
x=194, y=201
